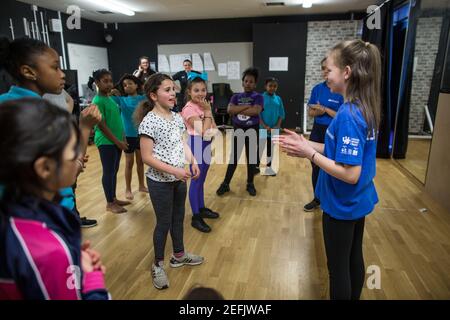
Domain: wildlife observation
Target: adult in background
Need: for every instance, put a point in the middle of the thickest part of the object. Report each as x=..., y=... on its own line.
x=182, y=77
x=144, y=71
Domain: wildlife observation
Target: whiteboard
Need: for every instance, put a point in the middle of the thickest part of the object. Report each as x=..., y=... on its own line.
x=86, y=59
x=220, y=53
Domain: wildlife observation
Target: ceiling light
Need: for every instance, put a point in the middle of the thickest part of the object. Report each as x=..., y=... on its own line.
x=307, y=3
x=115, y=6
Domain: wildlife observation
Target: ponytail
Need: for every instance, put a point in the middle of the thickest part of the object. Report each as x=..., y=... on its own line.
x=96, y=76
x=141, y=111
x=90, y=83
x=364, y=84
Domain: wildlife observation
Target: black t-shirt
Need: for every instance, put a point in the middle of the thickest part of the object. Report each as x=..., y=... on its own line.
x=183, y=78
x=144, y=76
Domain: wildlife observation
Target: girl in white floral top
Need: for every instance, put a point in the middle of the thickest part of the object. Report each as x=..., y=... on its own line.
x=165, y=152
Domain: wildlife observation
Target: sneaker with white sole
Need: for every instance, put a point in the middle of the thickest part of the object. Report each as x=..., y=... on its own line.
x=159, y=276
x=188, y=259
x=269, y=172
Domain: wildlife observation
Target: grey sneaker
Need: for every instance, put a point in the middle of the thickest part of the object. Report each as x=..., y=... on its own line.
x=270, y=172
x=188, y=259
x=159, y=276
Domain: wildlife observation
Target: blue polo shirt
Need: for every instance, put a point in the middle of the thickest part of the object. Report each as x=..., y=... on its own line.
x=68, y=197
x=321, y=94
x=347, y=141
x=127, y=106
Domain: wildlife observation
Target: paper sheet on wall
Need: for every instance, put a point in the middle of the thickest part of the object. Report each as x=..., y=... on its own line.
x=222, y=69
x=176, y=61
x=209, y=63
x=163, y=63
x=278, y=63
x=234, y=72
x=197, y=63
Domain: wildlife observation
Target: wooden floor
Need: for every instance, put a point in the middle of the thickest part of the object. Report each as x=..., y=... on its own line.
x=267, y=247
x=416, y=160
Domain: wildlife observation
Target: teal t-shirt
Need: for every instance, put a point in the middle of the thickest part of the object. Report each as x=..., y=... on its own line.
x=127, y=107
x=273, y=110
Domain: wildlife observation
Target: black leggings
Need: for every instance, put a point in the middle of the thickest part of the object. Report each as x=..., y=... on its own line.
x=110, y=158
x=343, y=246
x=251, y=151
x=265, y=143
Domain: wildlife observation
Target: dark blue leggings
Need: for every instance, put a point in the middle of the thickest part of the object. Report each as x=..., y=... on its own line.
x=110, y=158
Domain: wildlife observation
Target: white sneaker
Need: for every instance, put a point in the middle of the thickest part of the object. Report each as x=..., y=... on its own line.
x=159, y=276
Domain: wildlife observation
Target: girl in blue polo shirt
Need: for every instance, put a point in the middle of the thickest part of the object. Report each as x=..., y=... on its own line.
x=323, y=105
x=347, y=159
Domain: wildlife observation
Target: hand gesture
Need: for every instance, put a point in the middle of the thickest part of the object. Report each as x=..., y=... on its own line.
x=294, y=145
x=206, y=105
x=320, y=110
x=90, y=116
x=90, y=259
x=195, y=171
x=182, y=174
x=115, y=92
x=122, y=145
x=82, y=163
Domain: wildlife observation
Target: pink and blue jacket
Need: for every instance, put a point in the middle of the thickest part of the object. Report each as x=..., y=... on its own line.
x=40, y=254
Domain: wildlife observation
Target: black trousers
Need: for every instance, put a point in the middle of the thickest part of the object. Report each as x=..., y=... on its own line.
x=317, y=135
x=251, y=152
x=343, y=246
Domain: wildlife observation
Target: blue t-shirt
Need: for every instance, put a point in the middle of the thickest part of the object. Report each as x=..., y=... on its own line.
x=273, y=109
x=68, y=197
x=321, y=94
x=244, y=98
x=347, y=141
x=127, y=107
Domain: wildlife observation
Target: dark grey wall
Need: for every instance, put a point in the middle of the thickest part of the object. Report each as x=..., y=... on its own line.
x=132, y=40
x=136, y=39
x=91, y=33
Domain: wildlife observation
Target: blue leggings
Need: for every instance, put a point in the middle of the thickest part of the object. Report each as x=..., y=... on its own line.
x=110, y=158
x=196, y=188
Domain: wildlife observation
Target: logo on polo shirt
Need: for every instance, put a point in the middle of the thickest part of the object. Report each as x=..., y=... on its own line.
x=346, y=140
x=354, y=142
